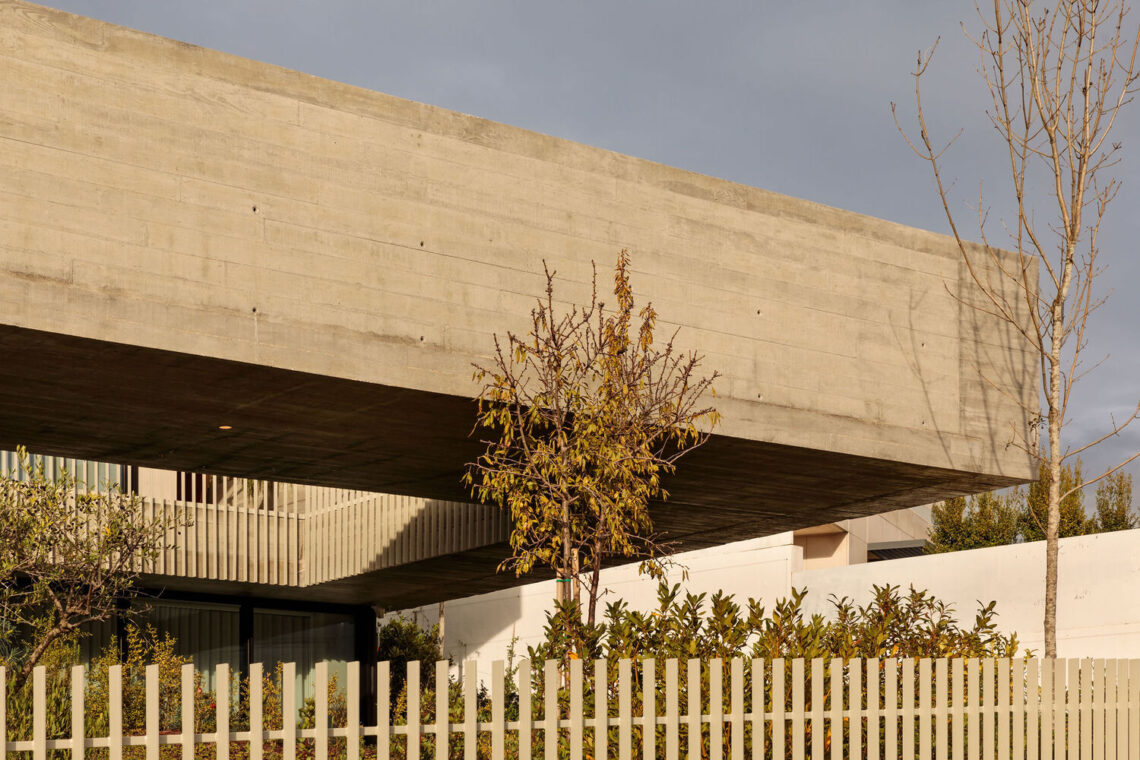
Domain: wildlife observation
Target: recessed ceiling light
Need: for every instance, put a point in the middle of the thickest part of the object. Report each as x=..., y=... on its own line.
x=225, y=427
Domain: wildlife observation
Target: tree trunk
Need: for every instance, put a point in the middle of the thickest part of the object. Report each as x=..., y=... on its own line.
x=1053, y=520
x=564, y=571
x=595, y=580
x=442, y=630
x=576, y=584
x=21, y=677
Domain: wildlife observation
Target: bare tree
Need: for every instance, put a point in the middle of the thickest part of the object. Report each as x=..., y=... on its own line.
x=1058, y=75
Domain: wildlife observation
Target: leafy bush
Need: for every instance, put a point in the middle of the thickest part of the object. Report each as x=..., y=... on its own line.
x=146, y=647
x=400, y=641
x=892, y=625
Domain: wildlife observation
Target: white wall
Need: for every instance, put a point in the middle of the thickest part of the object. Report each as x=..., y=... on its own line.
x=482, y=627
x=1099, y=592
x=1098, y=607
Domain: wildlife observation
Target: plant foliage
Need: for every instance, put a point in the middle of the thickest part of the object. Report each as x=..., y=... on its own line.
x=996, y=519
x=587, y=413
x=69, y=555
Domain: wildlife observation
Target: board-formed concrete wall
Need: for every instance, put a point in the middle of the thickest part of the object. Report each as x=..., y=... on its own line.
x=178, y=206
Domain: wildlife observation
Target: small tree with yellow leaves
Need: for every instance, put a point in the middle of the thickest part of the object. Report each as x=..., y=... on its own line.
x=585, y=415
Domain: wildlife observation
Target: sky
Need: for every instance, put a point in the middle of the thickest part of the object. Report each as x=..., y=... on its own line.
x=789, y=97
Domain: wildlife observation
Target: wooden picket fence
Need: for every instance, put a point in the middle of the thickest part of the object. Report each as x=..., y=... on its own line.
x=959, y=709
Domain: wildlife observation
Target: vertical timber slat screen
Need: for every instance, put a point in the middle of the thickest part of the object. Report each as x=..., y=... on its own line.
x=876, y=709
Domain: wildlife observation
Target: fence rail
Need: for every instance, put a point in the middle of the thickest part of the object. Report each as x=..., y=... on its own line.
x=961, y=709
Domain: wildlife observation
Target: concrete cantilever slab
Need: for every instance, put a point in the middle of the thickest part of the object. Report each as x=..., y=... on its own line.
x=190, y=239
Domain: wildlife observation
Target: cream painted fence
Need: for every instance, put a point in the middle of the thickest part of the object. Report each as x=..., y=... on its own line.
x=944, y=709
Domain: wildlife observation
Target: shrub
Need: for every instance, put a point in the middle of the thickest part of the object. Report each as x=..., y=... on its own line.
x=400, y=641
x=892, y=625
x=697, y=626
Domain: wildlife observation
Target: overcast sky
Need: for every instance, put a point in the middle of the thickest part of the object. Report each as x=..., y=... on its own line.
x=789, y=97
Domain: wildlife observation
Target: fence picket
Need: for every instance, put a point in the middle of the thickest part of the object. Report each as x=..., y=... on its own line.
x=716, y=709
x=1003, y=709
x=798, y=709
x=413, y=717
x=525, y=719
x=77, y=694
x=1047, y=701
x=498, y=710
x=957, y=697
x=39, y=713
x=601, y=712
x=115, y=712
x=736, y=707
x=908, y=709
x=817, y=729
x=1122, y=711
x=288, y=711
x=973, y=725
x=1073, y=744
x=1032, y=709
x=3, y=713
x=989, y=713
x=383, y=710
x=855, y=706
x=1087, y=728
x=151, y=712
x=925, y=707
x=1110, y=710
x=836, y=714
x=874, y=683
x=442, y=718
x=941, y=710
x=758, y=709
x=1068, y=690
x=352, y=695
x=222, y=711
x=672, y=717
x=470, y=707
x=1060, y=710
x=257, y=710
x=1017, y=708
x=550, y=713
x=321, y=713
x=891, y=708
x=694, y=713
x=649, y=709
x=1134, y=708
x=779, y=717
x=625, y=710
x=1098, y=703
x=576, y=722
